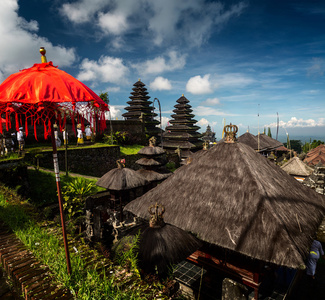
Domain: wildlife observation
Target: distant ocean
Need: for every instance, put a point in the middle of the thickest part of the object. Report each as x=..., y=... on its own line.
x=303, y=139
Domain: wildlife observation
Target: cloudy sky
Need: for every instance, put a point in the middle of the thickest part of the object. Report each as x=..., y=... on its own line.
x=232, y=60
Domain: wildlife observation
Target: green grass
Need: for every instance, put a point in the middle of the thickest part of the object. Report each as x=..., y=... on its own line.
x=43, y=189
x=130, y=150
x=85, y=282
x=10, y=156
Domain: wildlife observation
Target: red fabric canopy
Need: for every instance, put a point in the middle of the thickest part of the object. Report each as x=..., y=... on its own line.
x=44, y=92
x=45, y=83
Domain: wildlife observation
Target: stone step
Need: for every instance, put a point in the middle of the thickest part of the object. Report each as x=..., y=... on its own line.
x=29, y=277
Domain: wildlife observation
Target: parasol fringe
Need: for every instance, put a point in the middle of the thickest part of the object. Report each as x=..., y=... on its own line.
x=35, y=131
x=60, y=121
x=17, y=122
x=73, y=123
x=26, y=127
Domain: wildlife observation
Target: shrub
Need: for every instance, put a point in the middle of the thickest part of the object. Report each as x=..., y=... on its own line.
x=75, y=194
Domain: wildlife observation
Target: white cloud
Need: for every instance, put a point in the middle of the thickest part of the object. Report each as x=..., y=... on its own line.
x=317, y=68
x=198, y=85
x=233, y=80
x=82, y=11
x=211, y=101
x=160, y=84
x=164, y=22
x=208, y=111
x=164, y=121
x=114, y=89
x=115, y=112
x=192, y=20
x=294, y=122
x=20, y=43
x=113, y=23
x=106, y=69
x=202, y=123
x=160, y=64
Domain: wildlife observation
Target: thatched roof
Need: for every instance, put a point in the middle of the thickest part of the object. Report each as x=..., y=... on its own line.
x=155, y=161
x=165, y=246
x=152, y=175
x=120, y=179
x=296, y=167
x=148, y=150
x=236, y=199
x=260, y=142
x=270, y=142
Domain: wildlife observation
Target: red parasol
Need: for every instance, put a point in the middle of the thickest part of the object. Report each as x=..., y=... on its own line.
x=44, y=94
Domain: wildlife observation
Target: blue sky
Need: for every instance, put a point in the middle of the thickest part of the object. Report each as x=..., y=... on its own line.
x=232, y=59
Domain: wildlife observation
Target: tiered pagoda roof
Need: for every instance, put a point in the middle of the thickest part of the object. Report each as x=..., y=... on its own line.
x=182, y=133
x=141, y=109
x=152, y=162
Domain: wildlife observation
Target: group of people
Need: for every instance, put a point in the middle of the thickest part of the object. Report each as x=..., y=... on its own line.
x=13, y=141
x=80, y=136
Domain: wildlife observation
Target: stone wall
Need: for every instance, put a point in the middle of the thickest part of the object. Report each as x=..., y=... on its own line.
x=133, y=127
x=86, y=161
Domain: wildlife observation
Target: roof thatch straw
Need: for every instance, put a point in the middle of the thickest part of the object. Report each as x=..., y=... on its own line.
x=236, y=199
x=120, y=179
x=161, y=247
x=296, y=167
x=148, y=150
x=162, y=244
x=269, y=142
x=156, y=161
x=152, y=175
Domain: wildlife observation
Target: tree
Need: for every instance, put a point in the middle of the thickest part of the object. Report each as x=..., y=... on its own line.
x=104, y=97
x=269, y=132
x=315, y=144
x=308, y=146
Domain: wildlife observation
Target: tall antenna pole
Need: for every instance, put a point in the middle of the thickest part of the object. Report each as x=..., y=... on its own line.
x=277, y=126
x=258, y=128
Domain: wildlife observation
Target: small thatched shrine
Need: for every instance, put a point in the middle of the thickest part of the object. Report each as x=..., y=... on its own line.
x=249, y=212
x=297, y=168
x=140, y=109
x=182, y=135
x=153, y=162
x=104, y=211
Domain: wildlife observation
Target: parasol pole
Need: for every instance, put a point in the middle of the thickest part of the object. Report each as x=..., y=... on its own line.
x=58, y=183
x=58, y=186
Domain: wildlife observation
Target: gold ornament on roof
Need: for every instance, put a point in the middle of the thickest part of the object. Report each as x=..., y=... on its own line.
x=156, y=211
x=152, y=141
x=230, y=131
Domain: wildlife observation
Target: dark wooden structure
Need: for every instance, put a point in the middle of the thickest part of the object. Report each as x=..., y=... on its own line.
x=140, y=109
x=243, y=206
x=182, y=135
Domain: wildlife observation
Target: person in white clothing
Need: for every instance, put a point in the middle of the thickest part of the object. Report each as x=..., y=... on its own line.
x=20, y=139
x=80, y=136
x=88, y=133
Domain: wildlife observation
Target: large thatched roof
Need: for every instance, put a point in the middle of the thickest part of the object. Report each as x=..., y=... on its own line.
x=260, y=142
x=235, y=198
x=120, y=179
x=297, y=167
